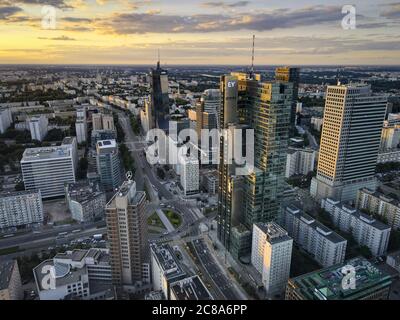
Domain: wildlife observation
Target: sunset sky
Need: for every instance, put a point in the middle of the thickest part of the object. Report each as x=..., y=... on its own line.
x=296, y=32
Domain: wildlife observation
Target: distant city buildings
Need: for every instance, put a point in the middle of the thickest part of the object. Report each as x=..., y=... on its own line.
x=324, y=245
x=10, y=281
x=20, y=208
x=271, y=255
x=371, y=283
x=380, y=204
x=86, y=201
x=350, y=142
x=299, y=161
x=48, y=168
x=366, y=230
x=75, y=275
x=38, y=127
x=108, y=164
x=127, y=235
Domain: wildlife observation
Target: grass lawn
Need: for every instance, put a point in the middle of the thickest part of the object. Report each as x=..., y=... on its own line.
x=10, y=250
x=174, y=218
x=154, y=220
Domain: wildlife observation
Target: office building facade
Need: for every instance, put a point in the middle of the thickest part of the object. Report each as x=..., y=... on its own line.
x=350, y=142
x=108, y=164
x=159, y=97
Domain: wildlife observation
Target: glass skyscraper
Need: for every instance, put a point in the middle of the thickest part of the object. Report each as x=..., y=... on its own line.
x=159, y=98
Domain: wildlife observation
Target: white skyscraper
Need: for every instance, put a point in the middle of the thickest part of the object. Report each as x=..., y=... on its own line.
x=189, y=170
x=48, y=169
x=38, y=127
x=299, y=161
x=81, y=125
x=271, y=255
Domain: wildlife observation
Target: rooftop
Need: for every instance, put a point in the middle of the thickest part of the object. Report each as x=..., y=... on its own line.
x=84, y=191
x=5, y=194
x=326, y=284
x=46, y=153
x=319, y=227
x=167, y=260
x=106, y=144
x=274, y=232
x=190, y=289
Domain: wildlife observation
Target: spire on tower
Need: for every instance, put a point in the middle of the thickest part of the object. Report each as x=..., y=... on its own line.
x=252, y=58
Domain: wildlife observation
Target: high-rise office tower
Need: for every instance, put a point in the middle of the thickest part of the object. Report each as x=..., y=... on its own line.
x=159, y=97
x=265, y=107
x=350, y=142
x=289, y=74
x=108, y=164
x=211, y=102
x=127, y=235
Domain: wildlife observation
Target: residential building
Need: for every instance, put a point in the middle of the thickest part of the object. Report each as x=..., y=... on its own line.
x=366, y=230
x=386, y=156
x=189, y=175
x=393, y=260
x=210, y=182
x=380, y=204
x=317, y=123
x=48, y=169
x=38, y=127
x=350, y=142
x=86, y=201
x=271, y=255
x=324, y=245
x=97, y=123
x=108, y=164
x=299, y=161
x=371, y=283
x=20, y=208
x=127, y=234
x=81, y=129
x=5, y=119
x=165, y=268
x=75, y=275
x=191, y=288
x=10, y=281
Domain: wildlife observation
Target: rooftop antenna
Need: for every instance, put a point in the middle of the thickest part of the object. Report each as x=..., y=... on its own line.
x=158, y=61
x=338, y=76
x=252, y=57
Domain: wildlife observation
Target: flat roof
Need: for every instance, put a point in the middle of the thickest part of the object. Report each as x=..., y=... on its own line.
x=274, y=232
x=167, y=260
x=326, y=284
x=106, y=144
x=46, y=153
x=191, y=288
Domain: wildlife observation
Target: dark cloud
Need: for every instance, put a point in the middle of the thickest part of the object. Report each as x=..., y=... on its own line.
x=7, y=12
x=61, y=4
x=224, y=4
x=73, y=19
x=131, y=23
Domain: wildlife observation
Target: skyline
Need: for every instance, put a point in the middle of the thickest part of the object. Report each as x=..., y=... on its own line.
x=124, y=32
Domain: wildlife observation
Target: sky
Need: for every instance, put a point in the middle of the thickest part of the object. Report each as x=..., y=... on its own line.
x=204, y=32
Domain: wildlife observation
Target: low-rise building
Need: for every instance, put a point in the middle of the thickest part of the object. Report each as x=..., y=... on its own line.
x=77, y=274
x=86, y=201
x=380, y=204
x=326, y=246
x=393, y=260
x=165, y=268
x=371, y=283
x=366, y=230
x=10, y=281
x=390, y=155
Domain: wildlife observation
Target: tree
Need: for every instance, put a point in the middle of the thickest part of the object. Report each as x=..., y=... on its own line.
x=82, y=168
x=20, y=186
x=365, y=252
x=54, y=135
